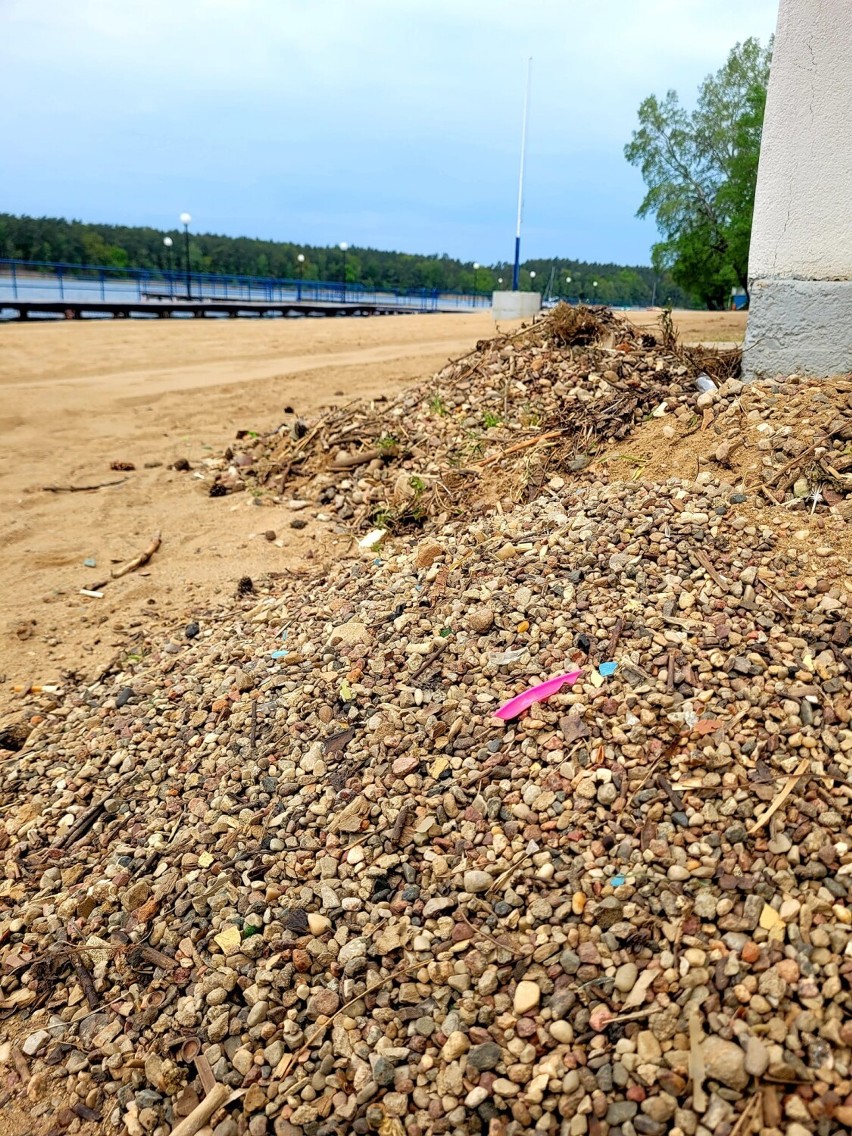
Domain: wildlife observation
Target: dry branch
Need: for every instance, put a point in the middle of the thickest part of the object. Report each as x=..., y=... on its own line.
x=81, y=488
x=137, y=561
x=792, y=782
x=202, y=1112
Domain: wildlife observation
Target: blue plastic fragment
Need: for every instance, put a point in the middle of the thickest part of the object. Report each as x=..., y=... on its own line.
x=279, y=654
x=617, y=881
x=90, y=562
x=607, y=669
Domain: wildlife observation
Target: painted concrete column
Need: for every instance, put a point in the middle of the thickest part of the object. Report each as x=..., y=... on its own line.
x=800, y=261
x=515, y=305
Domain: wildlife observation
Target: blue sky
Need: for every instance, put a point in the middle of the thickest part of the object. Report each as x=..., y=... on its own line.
x=391, y=123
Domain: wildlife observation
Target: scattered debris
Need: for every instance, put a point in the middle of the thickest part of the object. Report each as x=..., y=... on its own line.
x=13, y=735
x=538, y=693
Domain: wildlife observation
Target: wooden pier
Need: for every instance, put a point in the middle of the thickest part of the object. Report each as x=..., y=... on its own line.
x=165, y=309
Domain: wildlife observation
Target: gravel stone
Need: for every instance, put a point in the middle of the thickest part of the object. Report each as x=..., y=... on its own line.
x=484, y=1056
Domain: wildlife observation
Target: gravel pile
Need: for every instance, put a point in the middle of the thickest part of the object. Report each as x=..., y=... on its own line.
x=791, y=437
x=295, y=869
x=494, y=424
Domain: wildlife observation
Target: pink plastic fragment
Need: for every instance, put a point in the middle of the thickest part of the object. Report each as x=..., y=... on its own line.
x=521, y=702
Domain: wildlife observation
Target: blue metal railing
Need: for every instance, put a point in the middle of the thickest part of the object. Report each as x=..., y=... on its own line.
x=34, y=280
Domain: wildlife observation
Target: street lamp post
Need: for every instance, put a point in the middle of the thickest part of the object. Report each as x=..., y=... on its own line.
x=185, y=219
x=567, y=281
x=594, y=294
x=475, y=271
x=168, y=242
x=532, y=281
x=343, y=246
x=301, y=259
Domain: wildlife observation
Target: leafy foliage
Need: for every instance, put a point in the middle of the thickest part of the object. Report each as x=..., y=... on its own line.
x=700, y=168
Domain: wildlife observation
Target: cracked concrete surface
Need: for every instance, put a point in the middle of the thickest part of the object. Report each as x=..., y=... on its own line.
x=798, y=327
x=800, y=261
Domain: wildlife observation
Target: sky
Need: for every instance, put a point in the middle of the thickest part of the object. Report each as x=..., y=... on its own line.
x=389, y=123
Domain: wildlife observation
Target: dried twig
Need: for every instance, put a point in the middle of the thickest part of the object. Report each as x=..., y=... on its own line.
x=351, y=461
x=89, y=817
x=667, y=788
x=521, y=446
x=615, y=637
x=841, y=658
x=505, y=876
x=696, y=1063
x=399, y=824
x=205, y=1073
x=664, y=753
x=645, y=1012
x=792, y=782
x=704, y=561
x=775, y=593
x=157, y=958
x=21, y=1064
x=748, y=1116
x=82, y=488
x=290, y=1059
x=430, y=659
x=85, y=979
x=797, y=460
x=202, y=1112
x=138, y=561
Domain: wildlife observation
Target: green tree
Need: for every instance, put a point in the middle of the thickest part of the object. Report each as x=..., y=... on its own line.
x=700, y=168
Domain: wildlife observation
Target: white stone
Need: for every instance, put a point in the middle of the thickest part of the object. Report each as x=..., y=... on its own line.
x=455, y=1045
x=562, y=1031
x=625, y=977
x=648, y=1049
x=34, y=1042
x=527, y=997
x=318, y=924
x=724, y=1061
x=475, y=882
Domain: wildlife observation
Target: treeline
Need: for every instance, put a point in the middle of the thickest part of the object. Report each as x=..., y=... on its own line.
x=125, y=246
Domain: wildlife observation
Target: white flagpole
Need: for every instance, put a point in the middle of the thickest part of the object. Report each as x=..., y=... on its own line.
x=516, y=272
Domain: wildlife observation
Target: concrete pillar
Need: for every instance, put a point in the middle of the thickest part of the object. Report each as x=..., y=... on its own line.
x=800, y=261
x=515, y=305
